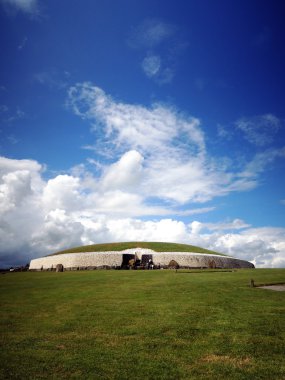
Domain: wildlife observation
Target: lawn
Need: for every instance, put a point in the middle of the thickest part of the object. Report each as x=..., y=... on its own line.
x=142, y=325
x=155, y=246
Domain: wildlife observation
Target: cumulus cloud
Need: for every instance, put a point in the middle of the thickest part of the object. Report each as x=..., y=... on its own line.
x=265, y=247
x=259, y=130
x=125, y=173
x=157, y=169
x=39, y=216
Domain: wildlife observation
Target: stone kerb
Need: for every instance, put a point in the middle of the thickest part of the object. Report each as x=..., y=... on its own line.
x=114, y=259
x=78, y=260
x=198, y=260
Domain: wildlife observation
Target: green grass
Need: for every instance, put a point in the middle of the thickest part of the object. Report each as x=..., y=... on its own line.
x=155, y=246
x=142, y=325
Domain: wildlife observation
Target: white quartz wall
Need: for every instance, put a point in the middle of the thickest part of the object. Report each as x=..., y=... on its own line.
x=84, y=259
x=114, y=259
x=198, y=260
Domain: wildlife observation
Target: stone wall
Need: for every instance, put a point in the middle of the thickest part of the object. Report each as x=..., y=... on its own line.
x=192, y=260
x=115, y=259
x=78, y=260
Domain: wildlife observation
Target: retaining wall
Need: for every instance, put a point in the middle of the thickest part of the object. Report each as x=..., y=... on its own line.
x=92, y=260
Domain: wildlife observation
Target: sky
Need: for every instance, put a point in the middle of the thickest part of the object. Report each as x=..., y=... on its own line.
x=135, y=120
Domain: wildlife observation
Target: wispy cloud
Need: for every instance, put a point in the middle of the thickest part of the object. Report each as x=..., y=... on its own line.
x=150, y=33
x=262, y=161
x=224, y=132
x=151, y=65
x=134, y=126
x=152, y=68
x=259, y=130
x=236, y=224
x=11, y=116
x=161, y=46
x=12, y=139
x=166, y=150
x=53, y=78
x=26, y=6
x=158, y=170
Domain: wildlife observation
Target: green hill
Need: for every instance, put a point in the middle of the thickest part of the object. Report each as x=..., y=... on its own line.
x=155, y=246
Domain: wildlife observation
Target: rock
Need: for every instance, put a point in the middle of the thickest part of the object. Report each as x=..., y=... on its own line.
x=59, y=268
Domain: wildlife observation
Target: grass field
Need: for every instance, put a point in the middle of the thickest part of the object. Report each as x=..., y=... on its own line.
x=155, y=246
x=142, y=325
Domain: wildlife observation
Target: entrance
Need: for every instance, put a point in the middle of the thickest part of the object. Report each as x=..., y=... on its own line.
x=126, y=258
x=145, y=260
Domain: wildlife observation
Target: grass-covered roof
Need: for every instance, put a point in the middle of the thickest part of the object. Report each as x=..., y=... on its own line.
x=155, y=246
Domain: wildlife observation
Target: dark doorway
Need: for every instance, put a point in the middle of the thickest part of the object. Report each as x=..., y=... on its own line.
x=145, y=260
x=126, y=259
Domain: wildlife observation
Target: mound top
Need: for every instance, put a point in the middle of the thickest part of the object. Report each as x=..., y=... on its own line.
x=155, y=246
x=137, y=255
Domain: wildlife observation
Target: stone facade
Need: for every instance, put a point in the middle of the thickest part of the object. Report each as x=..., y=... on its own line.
x=93, y=260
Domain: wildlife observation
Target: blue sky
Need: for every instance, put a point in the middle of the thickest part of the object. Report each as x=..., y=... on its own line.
x=142, y=120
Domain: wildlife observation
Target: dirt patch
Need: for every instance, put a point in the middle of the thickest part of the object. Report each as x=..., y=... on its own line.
x=236, y=362
x=277, y=288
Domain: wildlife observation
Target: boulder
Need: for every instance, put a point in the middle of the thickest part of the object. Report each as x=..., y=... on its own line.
x=59, y=268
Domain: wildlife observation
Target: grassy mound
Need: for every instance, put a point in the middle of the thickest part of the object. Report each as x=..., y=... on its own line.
x=155, y=246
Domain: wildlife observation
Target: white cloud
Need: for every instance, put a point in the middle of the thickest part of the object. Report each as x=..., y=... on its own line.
x=15, y=187
x=261, y=161
x=124, y=174
x=166, y=150
x=265, y=247
x=151, y=65
x=53, y=78
x=26, y=6
x=161, y=46
x=62, y=192
x=38, y=217
x=158, y=165
x=259, y=130
x=134, y=126
x=236, y=224
x=150, y=33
